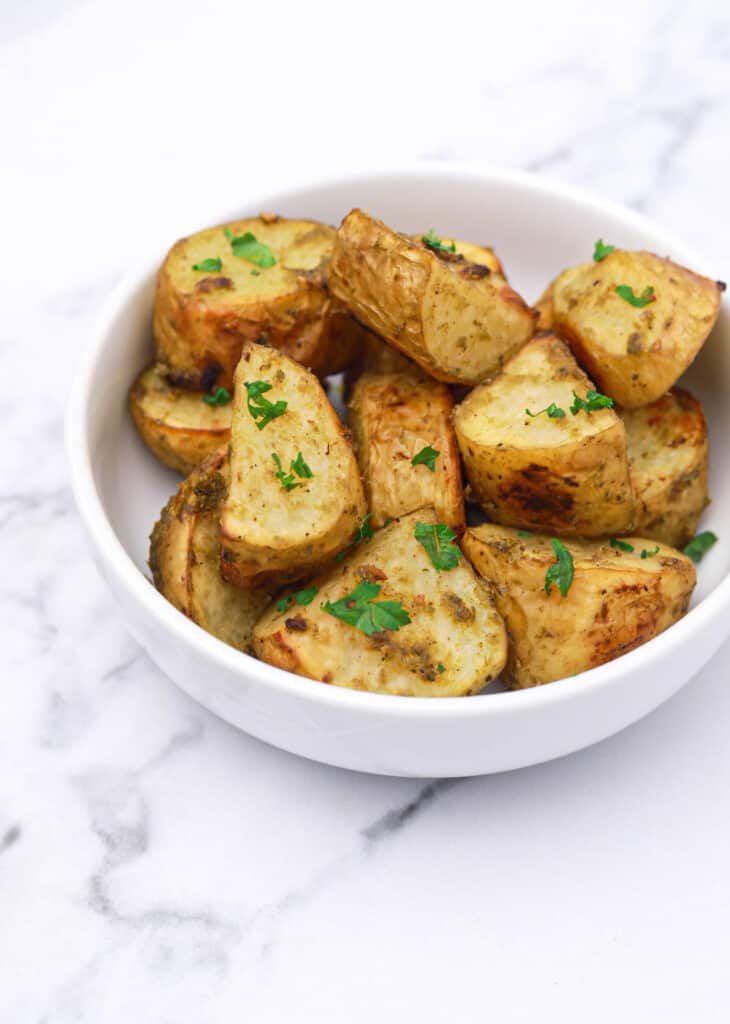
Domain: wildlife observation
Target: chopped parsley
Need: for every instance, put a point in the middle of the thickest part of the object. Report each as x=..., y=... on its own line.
x=297, y=466
x=211, y=265
x=364, y=532
x=524, y=533
x=440, y=668
x=303, y=597
x=601, y=251
x=426, y=457
x=554, y=412
x=627, y=294
x=699, y=545
x=561, y=571
x=358, y=609
x=255, y=273
x=622, y=545
x=260, y=408
x=248, y=248
x=433, y=242
x=301, y=468
x=437, y=540
x=221, y=396
x=593, y=401
x=649, y=554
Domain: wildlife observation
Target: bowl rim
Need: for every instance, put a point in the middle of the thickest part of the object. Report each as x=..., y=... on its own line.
x=111, y=552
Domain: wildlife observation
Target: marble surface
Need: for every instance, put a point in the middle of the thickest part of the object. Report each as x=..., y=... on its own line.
x=156, y=865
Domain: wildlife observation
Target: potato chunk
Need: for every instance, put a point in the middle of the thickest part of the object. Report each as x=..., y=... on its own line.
x=451, y=312
x=453, y=645
x=203, y=317
x=393, y=418
x=668, y=459
x=281, y=523
x=616, y=602
x=634, y=352
x=177, y=425
x=185, y=558
x=565, y=474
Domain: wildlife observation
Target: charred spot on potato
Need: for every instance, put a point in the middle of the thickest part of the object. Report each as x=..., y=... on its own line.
x=210, y=375
x=475, y=272
x=296, y=624
x=183, y=379
x=633, y=345
x=538, y=490
x=371, y=573
x=457, y=608
x=210, y=492
x=721, y=285
x=210, y=284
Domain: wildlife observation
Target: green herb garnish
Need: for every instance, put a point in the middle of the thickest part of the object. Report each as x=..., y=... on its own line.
x=437, y=540
x=261, y=409
x=301, y=468
x=554, y=412
x=560, y=572
x=601, y=251
x=440, y=668
x=359, y=610
x=211, y=265
x=297, y=466
x=649, y=554
x=364, y=532
x=593, y=401
x=627, y=294
x=699, y=545
x=433, y=241
x=221, y=396
x=524, y=533
x=303, y=597
x=255, y=273
x=620, y=544
x=426, y=457
x=248, y=248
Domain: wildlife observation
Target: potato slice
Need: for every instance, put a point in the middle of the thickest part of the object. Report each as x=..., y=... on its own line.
x=452, y=313
x=393, y=417
x=454, y=644
x=616, y=602
x=202, y=318
x=176, y=424
x=635, y=353
x=269, y=532
x=185, y=558
x=668, y=460
x=566, y=475
x=544, y=307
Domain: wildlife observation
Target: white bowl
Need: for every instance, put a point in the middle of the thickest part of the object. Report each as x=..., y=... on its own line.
x=537, y=228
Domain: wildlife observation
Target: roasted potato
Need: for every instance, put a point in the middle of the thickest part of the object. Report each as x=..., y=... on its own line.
x=564, y=474
x=544, y=307
x=668, y=462
x=452, y=644
x=185, y=558
x=279, y=522
x=451, y=312
x=176, y=424
x=634, y=345
x=617, y=599
x=393, y=418
x=203, y=317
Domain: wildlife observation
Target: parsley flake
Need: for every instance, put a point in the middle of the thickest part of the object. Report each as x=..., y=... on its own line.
x=699, y=545
x=210, y=265
x=601, y=251
x=246, y=247
x=554, y=412
x=303, y=597
x=364, y=532
x=358, y=609
x=426, y=457
x=622, y=545
x=649, y=554
x=440, y=668
x=437, y=540
x=593, y=401
x=433, y=242
x=260, y=408
x=301, y=468
x=297, y=466
x=524, y=533
x=561, y=571
x=627, y=294
x=221, y=396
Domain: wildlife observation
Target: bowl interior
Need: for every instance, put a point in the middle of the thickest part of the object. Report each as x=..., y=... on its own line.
x=536, y=229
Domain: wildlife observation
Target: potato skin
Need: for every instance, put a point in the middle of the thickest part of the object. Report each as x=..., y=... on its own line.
x=668, y=461
x=453, y=625
x=268, y=534
x=568, y=476
x=459, y=320
x=185, y=558
x=201, y=320
x=617, y=600
x=176, y=424
x=634, y=354
x=393, y=417
x=544, y=307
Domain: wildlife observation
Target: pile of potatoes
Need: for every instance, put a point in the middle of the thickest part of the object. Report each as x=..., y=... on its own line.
x=342, y=552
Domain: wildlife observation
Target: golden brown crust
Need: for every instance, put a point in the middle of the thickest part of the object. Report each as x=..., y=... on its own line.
x=617, y=601
x=393, y=417
x=458, y=319
x=544, y=307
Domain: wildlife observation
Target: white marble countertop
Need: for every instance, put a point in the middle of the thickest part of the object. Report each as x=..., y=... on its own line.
x=156, y=865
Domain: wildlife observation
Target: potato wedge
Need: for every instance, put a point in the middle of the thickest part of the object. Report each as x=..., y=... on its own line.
x=635, y=353
x=202, y=318
x=393, y=417
x=668, y=461
x=280, y=524
x=544, y=307
x=566, y=475
x=185, y=558
x=454, y=644
x=458, y=319
x=616, y=602
x=177, y=425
